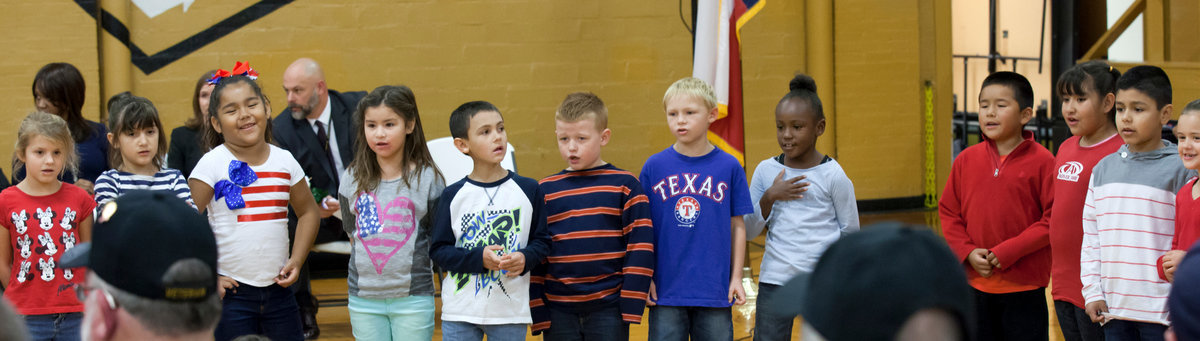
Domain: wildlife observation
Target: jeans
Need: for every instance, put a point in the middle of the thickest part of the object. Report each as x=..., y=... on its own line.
x=769, y=325
x=404, y=318
x=1130, y=330
x=701, y=323
x=464, y=331
x=601, y=325
x=1013, y=316
x=59, y=327
x=269, y=311
x=1075, y=324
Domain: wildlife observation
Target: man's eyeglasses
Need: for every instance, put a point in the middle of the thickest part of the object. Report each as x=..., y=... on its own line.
x=83, y=290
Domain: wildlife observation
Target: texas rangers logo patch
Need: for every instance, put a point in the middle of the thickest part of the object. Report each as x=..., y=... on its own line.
x=687, y=210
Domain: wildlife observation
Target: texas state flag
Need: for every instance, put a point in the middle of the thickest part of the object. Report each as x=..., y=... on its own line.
x=718, y=61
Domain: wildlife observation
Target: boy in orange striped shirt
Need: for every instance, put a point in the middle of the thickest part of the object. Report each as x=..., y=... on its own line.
x=596, y=279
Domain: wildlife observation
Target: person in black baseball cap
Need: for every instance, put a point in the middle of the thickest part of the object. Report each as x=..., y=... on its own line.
x=152, y=262
x=888, y=282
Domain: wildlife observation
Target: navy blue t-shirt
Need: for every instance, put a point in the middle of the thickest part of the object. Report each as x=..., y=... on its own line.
x=692, y=200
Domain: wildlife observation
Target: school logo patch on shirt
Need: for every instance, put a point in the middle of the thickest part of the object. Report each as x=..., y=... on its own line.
x=1070, y=171
x=687, y=210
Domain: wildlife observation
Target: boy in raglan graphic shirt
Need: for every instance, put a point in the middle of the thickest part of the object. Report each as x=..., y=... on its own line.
x=489, y=230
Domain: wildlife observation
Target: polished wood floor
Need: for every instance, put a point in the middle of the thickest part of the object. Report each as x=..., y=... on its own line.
x=335, y=321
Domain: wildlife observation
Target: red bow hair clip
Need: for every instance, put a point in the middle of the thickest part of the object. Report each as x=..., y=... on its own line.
x=240, y=69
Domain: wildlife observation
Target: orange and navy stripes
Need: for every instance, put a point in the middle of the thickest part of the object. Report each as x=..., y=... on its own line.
x=583, y=212
x=603, y=252
x=586, y=173
x=587, y=257
x=587, y=190
x=640, y=247
x=641, y=222
x=639, y=270
x=588, y=234
x=583, y=298
x=578, y=280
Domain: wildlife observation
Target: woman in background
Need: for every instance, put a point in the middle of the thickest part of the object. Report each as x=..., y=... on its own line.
x=186, y=145
x=58, y=89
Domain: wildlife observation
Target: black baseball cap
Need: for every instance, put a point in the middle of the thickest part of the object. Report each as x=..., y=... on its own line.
x=139, y=236
x=868, y=284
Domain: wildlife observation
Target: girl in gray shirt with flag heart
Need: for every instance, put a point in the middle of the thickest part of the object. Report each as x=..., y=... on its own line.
x=392, y=184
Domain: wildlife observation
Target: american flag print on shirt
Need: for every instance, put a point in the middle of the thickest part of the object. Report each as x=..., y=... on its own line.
x=267, y=198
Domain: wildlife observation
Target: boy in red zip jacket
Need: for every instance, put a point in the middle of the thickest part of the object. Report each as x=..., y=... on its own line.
x=995, y=214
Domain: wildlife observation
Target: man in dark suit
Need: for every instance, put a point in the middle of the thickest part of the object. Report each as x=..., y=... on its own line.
x=316, y=128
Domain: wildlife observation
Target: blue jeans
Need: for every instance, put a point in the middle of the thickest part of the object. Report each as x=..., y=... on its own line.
x=58, y=327
x=404, y=318
x=701, y=323
x=601, y=325
x=269, y=311
x=1130, y=330
x=768, y=324
x=463, y=331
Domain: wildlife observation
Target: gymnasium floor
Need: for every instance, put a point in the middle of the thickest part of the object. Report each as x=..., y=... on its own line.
x=335, y=322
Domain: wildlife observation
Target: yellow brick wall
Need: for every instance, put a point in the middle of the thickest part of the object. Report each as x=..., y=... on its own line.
x=881, y=64
x=1185, y=81
x=879, y=97
x=524, y=56
x=35, y=34
x=772, y=52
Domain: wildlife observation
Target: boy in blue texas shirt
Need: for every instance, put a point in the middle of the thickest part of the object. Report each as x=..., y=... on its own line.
x=698, y=195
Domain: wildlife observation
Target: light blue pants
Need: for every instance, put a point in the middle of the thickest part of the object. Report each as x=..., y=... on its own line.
x=405, y=318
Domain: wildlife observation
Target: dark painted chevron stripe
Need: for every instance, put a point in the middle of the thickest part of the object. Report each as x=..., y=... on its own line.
x=150, y=63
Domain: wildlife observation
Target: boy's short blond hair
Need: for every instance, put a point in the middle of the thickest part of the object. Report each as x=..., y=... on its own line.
x=580, y=106
x=692, y=86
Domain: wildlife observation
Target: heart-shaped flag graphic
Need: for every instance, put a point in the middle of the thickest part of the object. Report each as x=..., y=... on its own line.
x=383, y=231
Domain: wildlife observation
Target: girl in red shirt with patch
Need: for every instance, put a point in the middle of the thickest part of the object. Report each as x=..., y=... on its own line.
x=1088, y=94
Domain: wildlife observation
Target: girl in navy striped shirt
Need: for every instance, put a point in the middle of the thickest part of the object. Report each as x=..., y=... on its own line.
x=137, y=149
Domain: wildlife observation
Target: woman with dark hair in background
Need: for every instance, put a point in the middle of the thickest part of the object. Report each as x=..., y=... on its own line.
x=186, y=144
x=58, y=89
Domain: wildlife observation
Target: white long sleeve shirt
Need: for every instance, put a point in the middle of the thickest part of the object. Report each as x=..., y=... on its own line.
x=1128, y=222
x=802, y=229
